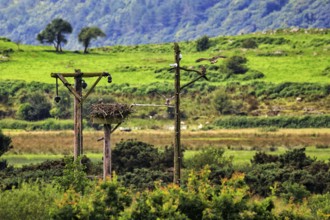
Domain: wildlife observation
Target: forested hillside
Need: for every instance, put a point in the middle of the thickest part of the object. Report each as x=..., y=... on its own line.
x=155, y=21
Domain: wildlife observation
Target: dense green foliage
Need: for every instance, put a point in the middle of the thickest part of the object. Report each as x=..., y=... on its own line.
x=5, y=145
x=140, y=164
x=127, y=22
x=294, y=174
x=87, y=34
x=202, y=43
x=54, y=33
x=212, y=188
x=308, y=121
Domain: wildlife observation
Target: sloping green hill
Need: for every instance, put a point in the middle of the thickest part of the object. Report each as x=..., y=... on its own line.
x=281, y=57
x=288, y=73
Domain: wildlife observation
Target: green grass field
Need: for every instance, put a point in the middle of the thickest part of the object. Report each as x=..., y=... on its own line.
x=135, y=64
x=240, y=157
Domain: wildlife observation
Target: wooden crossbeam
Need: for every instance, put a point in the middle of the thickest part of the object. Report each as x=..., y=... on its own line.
x=55, y=75
x=68, y=85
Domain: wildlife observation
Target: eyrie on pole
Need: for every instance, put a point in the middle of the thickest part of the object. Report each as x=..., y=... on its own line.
x=76, y=91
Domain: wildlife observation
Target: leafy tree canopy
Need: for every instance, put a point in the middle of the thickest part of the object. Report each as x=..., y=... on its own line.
x=87, y=34
x=54, y=33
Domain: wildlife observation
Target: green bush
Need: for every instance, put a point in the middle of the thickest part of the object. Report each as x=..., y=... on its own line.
x=296, y=174
x=32, y=200
x=132, y=154
x=5, y=145
x=35, y=107
x=46, y=171
x=209, y=156
x=249, y=43
x=143, y=178
x=74, y=177
x=104, y=200
x=292, y=89
x=223, y=103
x=235, y=65
x=294, y=191
x=320, y=205
x=203, y=43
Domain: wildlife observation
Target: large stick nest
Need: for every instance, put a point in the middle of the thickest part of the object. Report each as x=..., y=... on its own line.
x=113, y=111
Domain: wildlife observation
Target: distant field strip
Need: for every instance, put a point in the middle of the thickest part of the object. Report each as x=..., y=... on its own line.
x=61, y=142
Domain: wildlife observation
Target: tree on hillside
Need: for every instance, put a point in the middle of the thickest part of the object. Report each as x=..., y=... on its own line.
x=87, y=34
x=54, y=33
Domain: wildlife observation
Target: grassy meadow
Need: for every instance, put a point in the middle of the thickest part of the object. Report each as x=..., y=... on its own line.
x=298, y=57
x=241, y=144
x=303, y=60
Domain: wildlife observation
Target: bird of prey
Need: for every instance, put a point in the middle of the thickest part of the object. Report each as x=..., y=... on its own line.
x=167, y=99
x=203, y=73
x=212, y=60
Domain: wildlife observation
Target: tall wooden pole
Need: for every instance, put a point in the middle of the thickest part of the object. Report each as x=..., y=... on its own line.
x=177, y=130
x=107, y=152
x=78, y=137
x=76, y=91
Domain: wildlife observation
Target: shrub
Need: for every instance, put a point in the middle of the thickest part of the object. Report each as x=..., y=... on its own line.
x=203, y=43
x=210, y=156
x=143, y=178
x=236, y=65
x=296, y=158
x=35, y=107
x=294, y=191
x=161, y=203
x=32, y=200
x=225, y=104
x=74, y=177
x=140, y=164
x=110, y=199
x=320, y=205
x=46, y=171
x=132, y=154
x=5, y=145
x=253, y=74
x=249, y=43
x=262, y=158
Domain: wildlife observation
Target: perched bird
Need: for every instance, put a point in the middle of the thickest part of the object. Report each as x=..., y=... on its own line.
x=203, y=73
x=212, y=60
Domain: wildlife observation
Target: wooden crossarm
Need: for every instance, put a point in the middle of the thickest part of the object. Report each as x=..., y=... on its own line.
x=68, y=85
x=55, y=75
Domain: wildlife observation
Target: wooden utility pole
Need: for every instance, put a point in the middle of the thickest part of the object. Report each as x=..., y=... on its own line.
x=76, y=91
x=107, y=160
x=177, y=126
x=78, y=125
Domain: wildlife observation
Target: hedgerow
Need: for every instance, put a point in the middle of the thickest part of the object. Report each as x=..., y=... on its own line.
x=307, y=121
